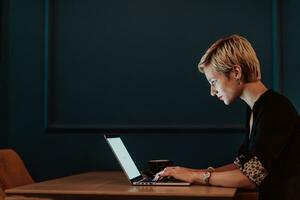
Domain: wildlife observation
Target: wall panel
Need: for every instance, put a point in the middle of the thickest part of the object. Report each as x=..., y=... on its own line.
x=131, y=66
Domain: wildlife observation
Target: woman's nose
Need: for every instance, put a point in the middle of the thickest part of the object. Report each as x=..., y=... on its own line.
x=213, y=91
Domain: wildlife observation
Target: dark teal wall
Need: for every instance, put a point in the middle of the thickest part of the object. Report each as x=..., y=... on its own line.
x=53, y=154
x=290, y=47
x=3, y=75
x=133, y=63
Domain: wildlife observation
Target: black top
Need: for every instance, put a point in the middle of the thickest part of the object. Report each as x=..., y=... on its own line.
x=270, y=155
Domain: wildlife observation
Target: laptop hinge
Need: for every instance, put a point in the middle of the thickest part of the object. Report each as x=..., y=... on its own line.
x=137, y=179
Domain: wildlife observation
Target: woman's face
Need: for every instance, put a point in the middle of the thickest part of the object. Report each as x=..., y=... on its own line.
x=225, y=88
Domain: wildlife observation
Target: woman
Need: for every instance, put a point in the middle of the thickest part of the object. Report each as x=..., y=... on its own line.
x=269, y=157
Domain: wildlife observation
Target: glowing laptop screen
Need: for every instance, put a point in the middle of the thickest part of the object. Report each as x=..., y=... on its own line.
x=123, y=156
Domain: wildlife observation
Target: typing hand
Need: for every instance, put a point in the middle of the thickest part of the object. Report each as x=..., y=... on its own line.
x=157, y=176
x=179, y=173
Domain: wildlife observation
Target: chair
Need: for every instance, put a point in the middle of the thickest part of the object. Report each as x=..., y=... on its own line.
x=13, y=172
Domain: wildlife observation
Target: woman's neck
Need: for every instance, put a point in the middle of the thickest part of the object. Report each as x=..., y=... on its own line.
x=252, y=91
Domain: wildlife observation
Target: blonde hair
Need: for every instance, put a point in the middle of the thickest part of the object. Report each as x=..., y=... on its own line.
x=227, y=52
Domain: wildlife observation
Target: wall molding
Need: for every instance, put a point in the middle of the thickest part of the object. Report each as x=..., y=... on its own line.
x=277, y=76
x=51, y=127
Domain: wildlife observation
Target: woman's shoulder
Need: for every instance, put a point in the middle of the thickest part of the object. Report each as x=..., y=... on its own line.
x=271, y=97
x=275, y=110
x=274, y=101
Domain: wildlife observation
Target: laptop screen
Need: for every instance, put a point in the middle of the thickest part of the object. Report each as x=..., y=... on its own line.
x=123, y=156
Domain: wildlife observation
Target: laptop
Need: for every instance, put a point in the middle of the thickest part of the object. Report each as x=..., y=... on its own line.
x=129, y=167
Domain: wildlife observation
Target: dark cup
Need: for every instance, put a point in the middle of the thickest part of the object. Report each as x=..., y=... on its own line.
x=156, y=166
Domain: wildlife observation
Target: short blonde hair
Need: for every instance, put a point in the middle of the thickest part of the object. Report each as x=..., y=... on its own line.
x=227, y=52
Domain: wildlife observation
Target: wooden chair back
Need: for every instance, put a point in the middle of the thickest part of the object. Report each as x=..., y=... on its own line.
x=13, y=172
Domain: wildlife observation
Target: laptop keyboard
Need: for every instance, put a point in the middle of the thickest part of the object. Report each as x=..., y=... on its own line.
x=165, y=179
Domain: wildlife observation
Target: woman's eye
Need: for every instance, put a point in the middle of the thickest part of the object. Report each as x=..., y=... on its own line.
x=213, y=82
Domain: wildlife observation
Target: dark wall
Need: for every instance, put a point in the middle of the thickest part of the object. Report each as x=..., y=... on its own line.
x=290, y=47
x=134, y=64
x=53, y=154
x=3, y=75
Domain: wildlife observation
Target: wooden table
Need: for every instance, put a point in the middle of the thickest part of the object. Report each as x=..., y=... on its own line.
x=112, y=185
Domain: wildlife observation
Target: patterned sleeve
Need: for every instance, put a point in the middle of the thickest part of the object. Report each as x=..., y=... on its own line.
x=253, y=169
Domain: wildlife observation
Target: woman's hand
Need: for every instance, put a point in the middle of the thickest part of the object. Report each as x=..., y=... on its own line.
x=180, y=173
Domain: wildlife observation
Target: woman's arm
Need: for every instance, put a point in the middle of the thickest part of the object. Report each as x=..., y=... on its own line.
x=223, y=168
x=229, y=178
x=228, y=167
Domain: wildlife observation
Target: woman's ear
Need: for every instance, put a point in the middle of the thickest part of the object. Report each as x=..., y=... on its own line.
x=237, y=72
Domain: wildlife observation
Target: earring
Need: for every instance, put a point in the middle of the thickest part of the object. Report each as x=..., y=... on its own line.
x=238, y=81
